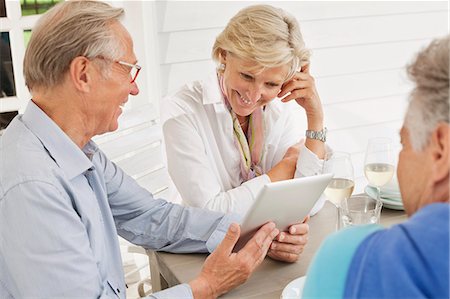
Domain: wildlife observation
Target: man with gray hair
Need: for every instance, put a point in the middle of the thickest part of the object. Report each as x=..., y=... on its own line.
x=62, y=202
x=410, y=260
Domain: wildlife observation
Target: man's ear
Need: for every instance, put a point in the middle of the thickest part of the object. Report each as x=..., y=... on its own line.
x=79, y=72
x=440, y=150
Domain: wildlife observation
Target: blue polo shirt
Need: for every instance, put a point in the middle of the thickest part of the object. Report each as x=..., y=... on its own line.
x=409, y=260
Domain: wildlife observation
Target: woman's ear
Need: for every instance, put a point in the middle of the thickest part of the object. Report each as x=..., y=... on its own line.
x=223, y=56
x=79, y=72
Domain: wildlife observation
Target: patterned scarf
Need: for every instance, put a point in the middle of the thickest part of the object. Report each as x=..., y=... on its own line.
x=250, y=146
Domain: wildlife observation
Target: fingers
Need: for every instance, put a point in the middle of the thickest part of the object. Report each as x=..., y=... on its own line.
x=284, y=256
x=307, y=219
x=292, y=239
x=298, y=94
x=305, y=68
x=259, y=244
x=295, y=83
x=299, y=228
x=230, y=239
x=287, y=247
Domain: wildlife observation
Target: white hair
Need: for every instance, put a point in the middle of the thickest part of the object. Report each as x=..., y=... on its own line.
x=429, y=101
x=68, y=30
x=266, y=35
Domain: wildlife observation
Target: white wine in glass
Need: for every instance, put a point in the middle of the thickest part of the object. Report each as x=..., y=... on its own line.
x=379, y=174
x=342, y=184
x=379, y=162
x=339, y=189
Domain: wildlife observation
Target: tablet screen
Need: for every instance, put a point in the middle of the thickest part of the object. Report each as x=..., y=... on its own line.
x=285, y=203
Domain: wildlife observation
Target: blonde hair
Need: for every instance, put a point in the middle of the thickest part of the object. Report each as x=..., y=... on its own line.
x=429, y=101
x=266, y=35
x=68, y=30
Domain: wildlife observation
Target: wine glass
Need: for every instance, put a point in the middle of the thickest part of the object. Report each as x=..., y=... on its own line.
x=379, y=162
x=342, y=184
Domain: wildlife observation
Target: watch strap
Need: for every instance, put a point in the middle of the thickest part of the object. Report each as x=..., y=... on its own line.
x=318, y=135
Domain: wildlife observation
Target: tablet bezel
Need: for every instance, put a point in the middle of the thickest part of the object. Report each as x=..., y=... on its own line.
x=267, y=205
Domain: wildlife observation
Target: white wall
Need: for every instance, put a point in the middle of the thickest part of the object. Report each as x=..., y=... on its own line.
x=360, y=50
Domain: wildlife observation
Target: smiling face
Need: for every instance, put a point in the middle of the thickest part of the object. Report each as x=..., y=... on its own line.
x=248, y=89
x=112, y=91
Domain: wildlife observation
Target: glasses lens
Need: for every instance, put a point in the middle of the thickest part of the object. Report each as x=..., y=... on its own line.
x=133, y=74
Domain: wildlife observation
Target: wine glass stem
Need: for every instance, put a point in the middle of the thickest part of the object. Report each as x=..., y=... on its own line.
x=338, y=218
x=378, y=193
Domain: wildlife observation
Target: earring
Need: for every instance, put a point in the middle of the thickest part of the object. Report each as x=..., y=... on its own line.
x=221, y=67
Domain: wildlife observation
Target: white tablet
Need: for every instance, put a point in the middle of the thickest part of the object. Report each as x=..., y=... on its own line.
x=284, y=203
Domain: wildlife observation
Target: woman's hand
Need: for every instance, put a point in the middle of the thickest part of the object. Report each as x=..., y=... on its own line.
x=302, y=89
x=285, y=169
x=293, y=152
x=288, y=246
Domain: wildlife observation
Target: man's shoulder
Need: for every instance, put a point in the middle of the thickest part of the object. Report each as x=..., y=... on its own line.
x=430, y=214
x=348, y=239
x=429, y=224
x=23, y=157
x=409, y=254
x=328, y=271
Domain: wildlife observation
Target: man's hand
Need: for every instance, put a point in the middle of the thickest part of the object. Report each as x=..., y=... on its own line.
x=223, y=270
x=288, y=246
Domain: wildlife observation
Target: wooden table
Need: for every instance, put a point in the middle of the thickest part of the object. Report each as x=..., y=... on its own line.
x=270, y=278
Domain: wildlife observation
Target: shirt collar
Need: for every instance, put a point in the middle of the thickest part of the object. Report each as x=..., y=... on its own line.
x=69, y=157
x=211, y=90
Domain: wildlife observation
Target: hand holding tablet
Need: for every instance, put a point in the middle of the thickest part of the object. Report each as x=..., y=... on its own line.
x=284, y=203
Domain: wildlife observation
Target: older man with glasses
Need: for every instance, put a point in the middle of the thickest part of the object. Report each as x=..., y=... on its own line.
x=62, y=202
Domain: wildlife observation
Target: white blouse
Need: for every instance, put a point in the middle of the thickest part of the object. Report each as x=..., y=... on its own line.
x=202, y=158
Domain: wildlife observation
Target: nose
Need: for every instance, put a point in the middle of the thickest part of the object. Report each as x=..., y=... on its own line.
x=254, y=93
x=134, y=89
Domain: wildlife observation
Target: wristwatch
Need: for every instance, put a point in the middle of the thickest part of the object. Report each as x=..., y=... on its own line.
x=318, y=135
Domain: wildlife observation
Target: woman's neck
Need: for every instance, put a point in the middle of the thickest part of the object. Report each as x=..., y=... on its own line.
x=242, y=119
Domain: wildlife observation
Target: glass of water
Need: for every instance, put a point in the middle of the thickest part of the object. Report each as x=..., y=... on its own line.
x=359, y=210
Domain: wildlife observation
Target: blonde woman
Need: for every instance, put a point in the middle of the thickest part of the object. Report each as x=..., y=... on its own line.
x=229, y=135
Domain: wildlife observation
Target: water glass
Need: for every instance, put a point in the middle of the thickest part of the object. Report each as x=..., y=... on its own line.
x=359, y=210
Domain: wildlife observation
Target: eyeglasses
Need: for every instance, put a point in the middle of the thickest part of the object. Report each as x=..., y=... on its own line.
x=135, y=69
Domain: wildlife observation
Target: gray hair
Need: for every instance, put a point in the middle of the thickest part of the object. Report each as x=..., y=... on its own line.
x=429, y=101
x=267, y=35
x=68, y=30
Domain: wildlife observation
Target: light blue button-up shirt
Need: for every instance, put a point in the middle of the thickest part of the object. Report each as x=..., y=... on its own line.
x=61, y=209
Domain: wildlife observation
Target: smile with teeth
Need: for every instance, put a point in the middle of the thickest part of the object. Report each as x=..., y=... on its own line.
x=243, y=100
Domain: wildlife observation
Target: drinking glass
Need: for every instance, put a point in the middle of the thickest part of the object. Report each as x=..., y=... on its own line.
x=342, y=184
x=379, y=162
x=359, y=210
